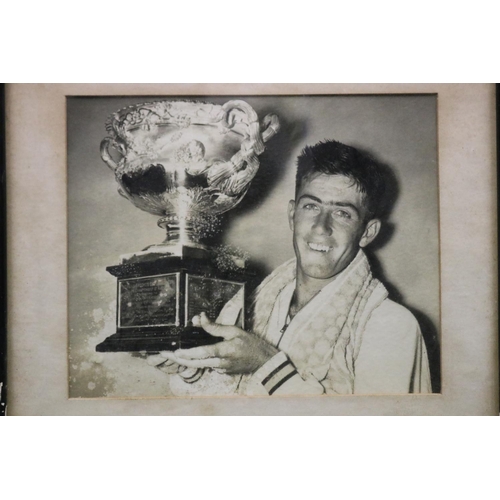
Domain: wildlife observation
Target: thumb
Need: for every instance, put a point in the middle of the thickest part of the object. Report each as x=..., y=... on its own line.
x=226, y=332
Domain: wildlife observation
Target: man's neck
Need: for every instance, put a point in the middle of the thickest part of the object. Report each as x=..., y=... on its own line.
x=306, y=288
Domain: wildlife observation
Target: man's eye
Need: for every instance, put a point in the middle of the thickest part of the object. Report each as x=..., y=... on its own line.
x=343, y=214
x=310, y=206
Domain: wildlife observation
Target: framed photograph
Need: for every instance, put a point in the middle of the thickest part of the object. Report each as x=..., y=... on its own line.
x=321, y=249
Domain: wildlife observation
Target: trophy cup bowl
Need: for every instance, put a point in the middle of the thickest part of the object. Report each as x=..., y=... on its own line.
x=186, y=162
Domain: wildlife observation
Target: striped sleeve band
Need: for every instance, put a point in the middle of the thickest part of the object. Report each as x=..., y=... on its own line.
x=273, y=374
x=277, y=377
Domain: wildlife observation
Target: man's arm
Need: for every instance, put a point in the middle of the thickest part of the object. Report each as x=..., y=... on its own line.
x=239, y=353
x=242, y=352
x=392, y=358
x=280, y=377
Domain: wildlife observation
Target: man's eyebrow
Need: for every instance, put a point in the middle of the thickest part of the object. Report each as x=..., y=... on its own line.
x=310, y=196
x=345, y=204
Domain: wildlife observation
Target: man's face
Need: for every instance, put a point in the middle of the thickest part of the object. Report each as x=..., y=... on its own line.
x=329, y=226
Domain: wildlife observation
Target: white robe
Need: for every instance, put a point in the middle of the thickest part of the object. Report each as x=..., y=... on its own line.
x=349, y=339
x=392, y=357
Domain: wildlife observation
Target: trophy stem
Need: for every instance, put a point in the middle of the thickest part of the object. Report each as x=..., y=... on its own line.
x=180, y=236
x=180, y=241
x=179, y=231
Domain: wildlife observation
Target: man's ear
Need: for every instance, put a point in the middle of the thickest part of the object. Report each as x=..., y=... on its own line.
x=291, y=213
x=371, y=230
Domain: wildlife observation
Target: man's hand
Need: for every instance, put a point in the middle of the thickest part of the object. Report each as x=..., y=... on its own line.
x=170, y=367
x=240, y=352
x=162, y=363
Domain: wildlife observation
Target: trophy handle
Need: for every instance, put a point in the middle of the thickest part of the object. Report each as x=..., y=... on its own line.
x=256, y=137
x=232, y=177
x=105, y=144
x=272, y=126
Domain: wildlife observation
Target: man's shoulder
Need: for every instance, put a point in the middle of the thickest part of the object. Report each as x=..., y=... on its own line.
x=390, y=316
x=390, y=327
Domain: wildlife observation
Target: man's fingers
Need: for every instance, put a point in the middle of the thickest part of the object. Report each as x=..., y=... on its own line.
x=194, y=363
x=200, y=363
x=202, y=352
x=168, y=355
x=155, y=360
x=226, y=332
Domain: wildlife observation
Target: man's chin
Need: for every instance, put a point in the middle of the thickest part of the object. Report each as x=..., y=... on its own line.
x=319, y=272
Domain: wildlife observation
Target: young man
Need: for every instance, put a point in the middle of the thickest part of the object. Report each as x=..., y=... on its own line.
x=321, y=323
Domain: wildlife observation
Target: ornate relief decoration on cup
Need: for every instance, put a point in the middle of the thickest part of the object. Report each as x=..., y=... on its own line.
x=185, y=159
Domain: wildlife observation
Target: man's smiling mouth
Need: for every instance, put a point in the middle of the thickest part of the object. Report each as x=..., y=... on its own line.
x=318, y=248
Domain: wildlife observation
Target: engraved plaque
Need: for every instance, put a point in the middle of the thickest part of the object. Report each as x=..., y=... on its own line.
x=147, y=302
x=211, y=295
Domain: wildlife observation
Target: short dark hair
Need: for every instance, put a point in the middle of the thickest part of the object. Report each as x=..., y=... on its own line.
x=334, y=158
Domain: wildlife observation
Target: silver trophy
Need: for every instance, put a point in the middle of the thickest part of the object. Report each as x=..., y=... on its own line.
x=186, y=162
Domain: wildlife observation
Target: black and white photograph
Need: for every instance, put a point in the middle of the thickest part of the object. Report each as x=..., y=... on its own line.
x=243, y=245
x=178, y=247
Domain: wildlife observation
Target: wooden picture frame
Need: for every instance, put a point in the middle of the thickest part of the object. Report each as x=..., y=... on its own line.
x=37, y=257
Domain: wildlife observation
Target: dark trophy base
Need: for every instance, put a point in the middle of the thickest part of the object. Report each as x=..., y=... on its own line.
x=158, y=297
x=169, y=339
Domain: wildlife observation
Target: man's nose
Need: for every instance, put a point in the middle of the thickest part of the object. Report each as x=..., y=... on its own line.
x=323, y=224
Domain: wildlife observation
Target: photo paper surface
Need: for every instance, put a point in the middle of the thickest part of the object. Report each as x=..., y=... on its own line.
x=253, y=174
